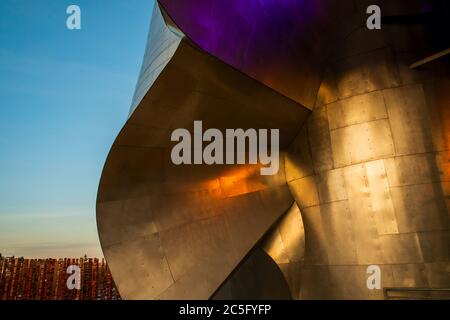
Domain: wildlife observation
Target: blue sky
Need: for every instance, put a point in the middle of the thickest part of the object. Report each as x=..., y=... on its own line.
x=64, y=95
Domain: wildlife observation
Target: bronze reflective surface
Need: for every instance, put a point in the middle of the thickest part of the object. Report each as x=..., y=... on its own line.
x=368, y=169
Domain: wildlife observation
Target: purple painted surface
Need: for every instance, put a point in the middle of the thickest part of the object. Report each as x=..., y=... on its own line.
x=281, y=43
x=270, y=40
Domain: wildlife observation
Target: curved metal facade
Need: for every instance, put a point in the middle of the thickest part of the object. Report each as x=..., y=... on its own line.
x=364, y=178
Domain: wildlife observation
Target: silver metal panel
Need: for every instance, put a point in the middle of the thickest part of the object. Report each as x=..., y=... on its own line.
x=437, y=274
x=298, y=160
x=435, y=245
x=162, y=43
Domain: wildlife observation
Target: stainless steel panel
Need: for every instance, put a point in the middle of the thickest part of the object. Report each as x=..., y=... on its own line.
x=256, y=278
x=438, y=274
x=338, y=229
x=409, y=275
x=305, y=192
x=328, y=91
x=381, y=202
x=298, y=161
x=366, y=72
x=417, y=169
x=161, y=45
x=320, y=141
x=286, y=242
x=401, y=248
x=356, y=110
x=365, y=228
x=435, y=245
x=331, y=186
x=363, y=168
x=420, y=207
x=362, y=142
x=315, y=238
x=408, y=118
x=148, y=273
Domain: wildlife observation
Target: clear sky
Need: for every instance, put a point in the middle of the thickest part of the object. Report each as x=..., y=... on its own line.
x=64, y=95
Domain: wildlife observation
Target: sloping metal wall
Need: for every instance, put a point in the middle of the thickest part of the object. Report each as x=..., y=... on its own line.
x=368, y=169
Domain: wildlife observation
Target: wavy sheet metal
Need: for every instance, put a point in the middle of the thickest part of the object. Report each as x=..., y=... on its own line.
x=186, y=228
x=368, y=170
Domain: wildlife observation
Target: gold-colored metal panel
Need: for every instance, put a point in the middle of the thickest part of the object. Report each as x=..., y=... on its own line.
x=286, y=242
x=381, y=202
x=328, y=91
x=350, y=282
x=356, y=110
x=420, y=207
x=149, y=266
x=273, y=245
x=131, y=171
x=125, y=226
x=292, y=274
x=366, y=73
x=337, y=224
x=305, y=192
x=416, y=169
x=438, y=98
x=113, y=209
x=143, y=137
x=198, y=210
x=435, y=245
x=320, y=142
x=315, y=238
x=177, y=209
x=249, y=215
x=438, y=274
x=198, y=281
x=401, y=248
x=409, y=119
x=342, y=282
x=258, y=277
x=292, y=234
x=410, y=275
x=187, y=244
x=364, y=224
x=359, y=41
x=315, y=283
x=298, y=161
x=246, y=224
x=362, y=142
x=331, y=186
x=210, y=217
